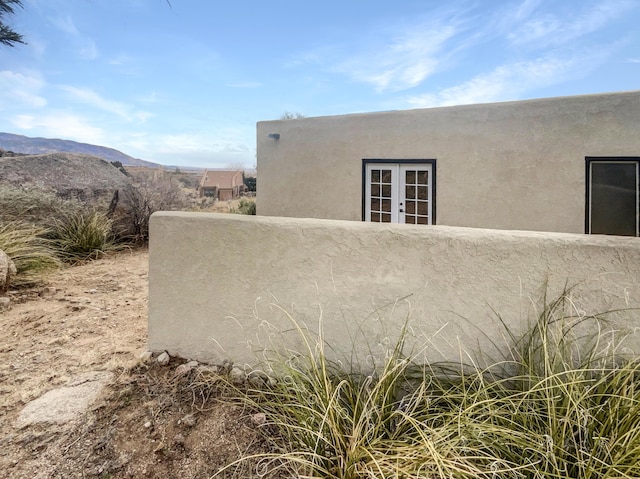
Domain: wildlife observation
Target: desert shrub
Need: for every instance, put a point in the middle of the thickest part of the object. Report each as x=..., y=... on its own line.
x=186, y=182
x=32, y=254
x=561, y=404
x=149, y=193
x=245, y=207
x=83, y=236
x=36, y=206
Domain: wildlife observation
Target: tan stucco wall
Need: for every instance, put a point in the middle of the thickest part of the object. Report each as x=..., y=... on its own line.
x=512, y=165
x=214, y=281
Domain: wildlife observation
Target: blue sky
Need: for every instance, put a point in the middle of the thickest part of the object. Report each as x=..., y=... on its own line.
x=185, y=83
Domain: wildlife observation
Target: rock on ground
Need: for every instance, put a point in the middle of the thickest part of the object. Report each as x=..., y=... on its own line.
x=66, y=403
x=7, y=271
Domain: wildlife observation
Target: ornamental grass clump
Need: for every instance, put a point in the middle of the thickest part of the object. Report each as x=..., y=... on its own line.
x=36, y=206
x=31, y=253
x=84, y=236
x=563, y=403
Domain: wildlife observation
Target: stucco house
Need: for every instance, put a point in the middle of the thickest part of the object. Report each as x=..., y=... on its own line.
x=569, y=164
x=222, y=185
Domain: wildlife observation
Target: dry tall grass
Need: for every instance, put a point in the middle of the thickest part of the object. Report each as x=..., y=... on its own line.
x=561, y=405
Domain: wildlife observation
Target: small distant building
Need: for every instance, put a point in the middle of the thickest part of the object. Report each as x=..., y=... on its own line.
x=222, y=185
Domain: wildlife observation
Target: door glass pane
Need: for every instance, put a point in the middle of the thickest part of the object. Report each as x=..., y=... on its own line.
x=386, y=191
x=423, y=192
x=386, y=176
x=411, y=177
x=614, y=198
x=386, y=206
x=423, y=177
x=423, y=208
x=386, y=217
x=410, y=192
x=411, y=207
x=375, y=190
x=375, y=176
x=410, y=219
x=375, y=217
x=423, y=220
x=375, y=204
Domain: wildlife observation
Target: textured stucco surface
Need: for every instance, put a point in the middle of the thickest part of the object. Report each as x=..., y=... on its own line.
x=513, y=165
x=220, y=284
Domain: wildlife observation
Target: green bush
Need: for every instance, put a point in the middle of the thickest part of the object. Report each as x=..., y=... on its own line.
x=561, y=405
x=33, y=255
x=245, y=207
x=83, y=236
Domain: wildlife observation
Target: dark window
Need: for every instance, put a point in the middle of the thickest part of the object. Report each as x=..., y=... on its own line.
x=613, y=199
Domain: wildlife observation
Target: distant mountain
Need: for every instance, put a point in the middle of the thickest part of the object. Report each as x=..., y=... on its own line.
x=38, y=146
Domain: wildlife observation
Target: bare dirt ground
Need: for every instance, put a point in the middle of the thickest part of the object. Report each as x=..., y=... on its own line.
x=149, y=421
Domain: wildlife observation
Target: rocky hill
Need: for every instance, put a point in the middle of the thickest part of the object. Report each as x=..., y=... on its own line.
x=69, y=175
x=37, y=146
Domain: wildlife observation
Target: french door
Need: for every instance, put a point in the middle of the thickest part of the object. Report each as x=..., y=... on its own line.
x=399, y=192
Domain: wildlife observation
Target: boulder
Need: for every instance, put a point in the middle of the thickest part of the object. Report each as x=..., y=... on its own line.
x=7, y=271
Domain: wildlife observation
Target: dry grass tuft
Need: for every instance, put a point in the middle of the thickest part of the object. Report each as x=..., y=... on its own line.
x=561, y=405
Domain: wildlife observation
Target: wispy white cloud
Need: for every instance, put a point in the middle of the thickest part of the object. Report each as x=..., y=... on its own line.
x=88, y=50
x=548, y=29
x=19, y=90
x=405, y=60
x=525, y=9
x=137, y=142
x=151, y=98
x=246, y=84
x=317, y=56
x=566, y=52
x=65, y=24
x=93, y=99
x=398, y=55
x=403, y=64
x=86, y=47
x=121, y=59
x=511, y=81
x=506, y=19
x=208, y=149
x=59, y=124
x=228, y=140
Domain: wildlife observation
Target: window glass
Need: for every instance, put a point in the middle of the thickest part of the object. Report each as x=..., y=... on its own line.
x=614, y=197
